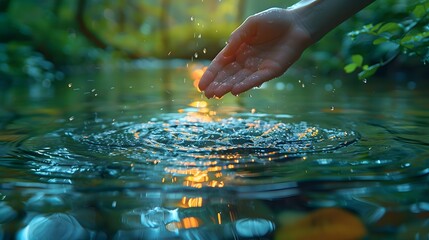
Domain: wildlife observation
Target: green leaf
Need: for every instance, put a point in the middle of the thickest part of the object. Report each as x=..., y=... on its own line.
x=349, y=68
x=380, y=40
x=376, y=27
x=419, y=11
x=390, y=27
x=368, y=71
x=357, y=59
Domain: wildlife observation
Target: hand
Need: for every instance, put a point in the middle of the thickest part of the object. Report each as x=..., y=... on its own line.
x=262, y=48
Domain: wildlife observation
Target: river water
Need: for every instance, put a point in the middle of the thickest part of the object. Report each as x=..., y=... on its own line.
x=138, y=153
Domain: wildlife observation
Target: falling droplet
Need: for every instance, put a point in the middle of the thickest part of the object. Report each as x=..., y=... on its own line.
x=365, y=80
x=71, y=118
x=332, y=108
x=196, y=55
x=192, y=18
x=70, y=85
x=204, y=51
x=199, y=35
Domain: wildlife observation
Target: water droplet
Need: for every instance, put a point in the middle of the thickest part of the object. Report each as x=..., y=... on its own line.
x=196, y=55
x=70, y=85
x=192, y=18
x=199, y=35
x=71, y=118
x=365, y=80
x=332, y=108
x=204, y=51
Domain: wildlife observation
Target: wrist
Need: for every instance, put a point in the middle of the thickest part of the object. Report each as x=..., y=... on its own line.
x=318, y=17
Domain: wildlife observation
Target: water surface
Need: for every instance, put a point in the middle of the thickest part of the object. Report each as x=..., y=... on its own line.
x=139, y=154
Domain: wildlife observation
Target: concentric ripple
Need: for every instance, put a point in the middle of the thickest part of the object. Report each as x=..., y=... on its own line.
x=229, y=138
x=184, y=148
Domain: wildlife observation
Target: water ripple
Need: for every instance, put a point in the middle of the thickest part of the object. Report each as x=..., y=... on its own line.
x=181, y=149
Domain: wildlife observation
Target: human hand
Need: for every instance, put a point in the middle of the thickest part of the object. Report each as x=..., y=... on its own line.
x=262, y=48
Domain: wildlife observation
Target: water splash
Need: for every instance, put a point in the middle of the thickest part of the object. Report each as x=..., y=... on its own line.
x=193, y=148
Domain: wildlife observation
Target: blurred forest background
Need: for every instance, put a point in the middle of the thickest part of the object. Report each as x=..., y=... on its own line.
x=43, y=40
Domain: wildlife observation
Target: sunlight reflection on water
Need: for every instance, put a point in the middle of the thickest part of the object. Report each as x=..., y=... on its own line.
x=194, y=148
x=134, y=165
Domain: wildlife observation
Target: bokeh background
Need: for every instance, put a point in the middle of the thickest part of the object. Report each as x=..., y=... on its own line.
x=44, y=40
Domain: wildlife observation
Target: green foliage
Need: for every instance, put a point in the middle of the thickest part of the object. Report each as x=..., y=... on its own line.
x=39, y=37
x=164, y=29
x=406, y=34
x=22, y=61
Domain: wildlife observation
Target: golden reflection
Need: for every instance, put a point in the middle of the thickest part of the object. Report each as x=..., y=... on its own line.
x=136, y=135
x=191, y=202
x=199, y=104
x=196, y=72
x=202, y=113
x=185, y=223
x=206, y=173
x=190, y=222
x=197, y=178
x=219, y=218
x=311, y=131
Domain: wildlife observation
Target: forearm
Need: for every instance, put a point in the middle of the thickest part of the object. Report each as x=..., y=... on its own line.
x=321, y=16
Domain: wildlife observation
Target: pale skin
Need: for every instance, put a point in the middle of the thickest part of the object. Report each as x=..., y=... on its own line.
x=266, y=44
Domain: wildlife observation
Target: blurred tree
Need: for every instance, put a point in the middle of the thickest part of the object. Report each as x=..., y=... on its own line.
x=80, y=20
x=38, y=37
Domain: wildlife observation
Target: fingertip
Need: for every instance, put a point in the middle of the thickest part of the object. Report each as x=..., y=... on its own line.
x=236, y=92
x=205, y=80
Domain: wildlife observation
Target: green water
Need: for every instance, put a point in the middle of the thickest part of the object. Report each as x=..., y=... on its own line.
x=138, y=153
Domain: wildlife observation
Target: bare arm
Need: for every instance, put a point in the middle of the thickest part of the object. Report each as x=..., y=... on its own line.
x=321, y=16
x=269, y=42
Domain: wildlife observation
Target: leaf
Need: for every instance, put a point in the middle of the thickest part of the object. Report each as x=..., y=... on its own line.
x=376, y=27
x=349, y=68
x=419, y=11
x=380, y=40
x=368, y=71
x=390, y=27
x=357, y=59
